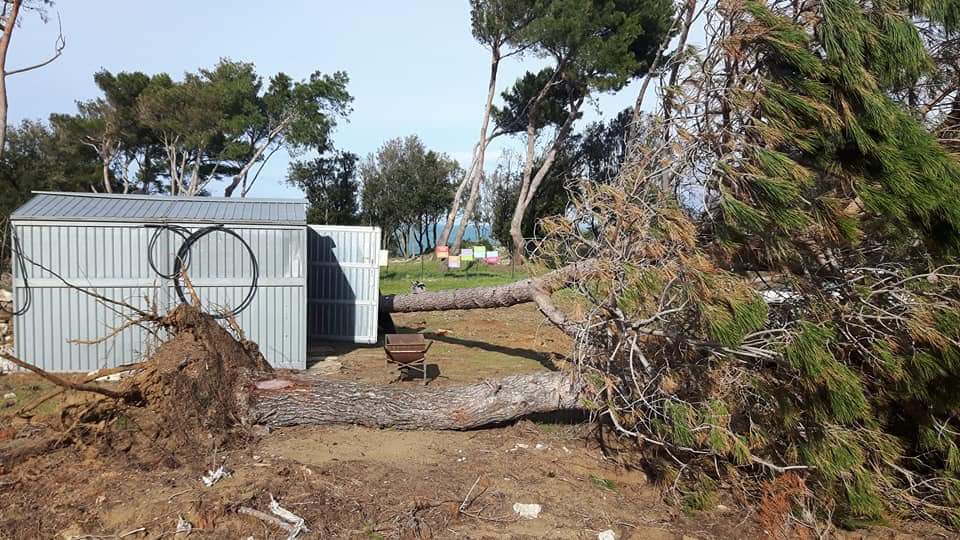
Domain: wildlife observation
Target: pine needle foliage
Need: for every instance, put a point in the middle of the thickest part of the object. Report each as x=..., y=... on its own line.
x=805, y=318
x=825, y=127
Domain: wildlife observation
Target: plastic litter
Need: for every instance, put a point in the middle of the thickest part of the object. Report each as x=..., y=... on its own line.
x=183, y=526
x=527, y=511
x=214, y=476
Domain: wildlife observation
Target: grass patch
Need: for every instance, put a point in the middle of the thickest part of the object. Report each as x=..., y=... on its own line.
x=603, y=483
x=26, y=393
x=397, y=277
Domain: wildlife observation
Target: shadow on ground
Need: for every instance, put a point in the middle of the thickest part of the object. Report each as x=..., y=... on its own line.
x=544, y=359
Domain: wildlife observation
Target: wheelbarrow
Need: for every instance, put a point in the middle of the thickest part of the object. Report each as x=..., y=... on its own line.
x=408, y=351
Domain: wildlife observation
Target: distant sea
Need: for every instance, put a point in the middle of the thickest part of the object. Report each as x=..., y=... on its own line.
x=469, y=236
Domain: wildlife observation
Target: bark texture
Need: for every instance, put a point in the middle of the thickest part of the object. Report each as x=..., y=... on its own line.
x=497, y=296
x=292, y=401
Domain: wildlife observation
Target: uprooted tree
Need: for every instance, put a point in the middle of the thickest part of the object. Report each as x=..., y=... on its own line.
x=774, y=290
x=768, y=286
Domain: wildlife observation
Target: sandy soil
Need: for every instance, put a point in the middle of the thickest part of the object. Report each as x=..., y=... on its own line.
x=351, y=482
x=468, y=346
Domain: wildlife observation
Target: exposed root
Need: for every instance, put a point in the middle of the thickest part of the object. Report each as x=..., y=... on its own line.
x=193, y=381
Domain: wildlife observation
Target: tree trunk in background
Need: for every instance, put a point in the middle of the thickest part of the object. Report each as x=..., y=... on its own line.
x=531, y=182
x=476, y=176
x=302, y=400
x=401, y=239
x=9, y=25
x=498, y=296
x=469, y=208
x=455, y=206
x=419, y=239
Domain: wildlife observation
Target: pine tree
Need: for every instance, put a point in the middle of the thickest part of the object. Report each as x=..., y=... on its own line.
x=804, y=318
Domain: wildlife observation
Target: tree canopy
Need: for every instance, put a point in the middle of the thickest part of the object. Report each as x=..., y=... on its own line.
x=592, y=46
x=406, y=189
x=152, y=133
x=332, y=187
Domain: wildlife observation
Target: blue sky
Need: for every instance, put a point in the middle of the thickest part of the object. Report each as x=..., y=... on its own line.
x=414, y=67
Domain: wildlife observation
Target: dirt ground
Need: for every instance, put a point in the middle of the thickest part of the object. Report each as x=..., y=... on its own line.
x=468, y=346
x=352, y=482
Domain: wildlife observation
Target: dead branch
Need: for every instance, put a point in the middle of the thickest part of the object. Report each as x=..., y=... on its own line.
x=58, y=48
x=90, y=378
x=265, y=517
x=79, y=387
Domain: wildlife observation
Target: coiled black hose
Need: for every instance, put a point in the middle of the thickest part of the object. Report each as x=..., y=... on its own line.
x=182, y=259
x=182, y=232
x=16, y=256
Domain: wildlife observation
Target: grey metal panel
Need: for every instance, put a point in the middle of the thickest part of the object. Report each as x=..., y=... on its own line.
x=49, y=335
x=56, y=206
x=111, y=259
x=343, y=283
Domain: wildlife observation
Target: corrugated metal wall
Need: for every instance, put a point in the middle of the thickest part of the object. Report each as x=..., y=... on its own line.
x=343, y=283
x=111, y=259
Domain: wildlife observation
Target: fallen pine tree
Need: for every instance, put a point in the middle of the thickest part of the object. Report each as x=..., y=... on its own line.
x=205, y=383
x=205, y=380
x=499, y=296
x=300, y=400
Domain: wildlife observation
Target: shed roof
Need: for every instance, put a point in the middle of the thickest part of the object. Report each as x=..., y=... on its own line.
x=59, y=206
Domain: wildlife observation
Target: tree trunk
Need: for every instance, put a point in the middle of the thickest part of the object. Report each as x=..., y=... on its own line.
x=418, y=236
x=301, y=400
x=476, y=173
x=401, y=239
x=432, y=242
x=469, y=208
x=9, y=25
x=531, y=183
x=105, y=162
x=498, y=296
x=455, y=205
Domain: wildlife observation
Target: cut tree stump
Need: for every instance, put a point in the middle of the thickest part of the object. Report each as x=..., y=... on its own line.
x=300, y=400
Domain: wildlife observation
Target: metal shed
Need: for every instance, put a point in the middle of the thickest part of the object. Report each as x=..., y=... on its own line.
x=343, y=283
x=103, y=243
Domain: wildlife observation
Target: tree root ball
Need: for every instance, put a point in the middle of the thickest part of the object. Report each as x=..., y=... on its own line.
x=195, y=380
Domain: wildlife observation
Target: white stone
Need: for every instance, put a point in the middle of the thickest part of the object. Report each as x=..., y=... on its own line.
x=527, y=511
x=607, y=535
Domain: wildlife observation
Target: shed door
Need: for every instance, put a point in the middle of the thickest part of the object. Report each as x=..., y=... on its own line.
x=343, y=283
